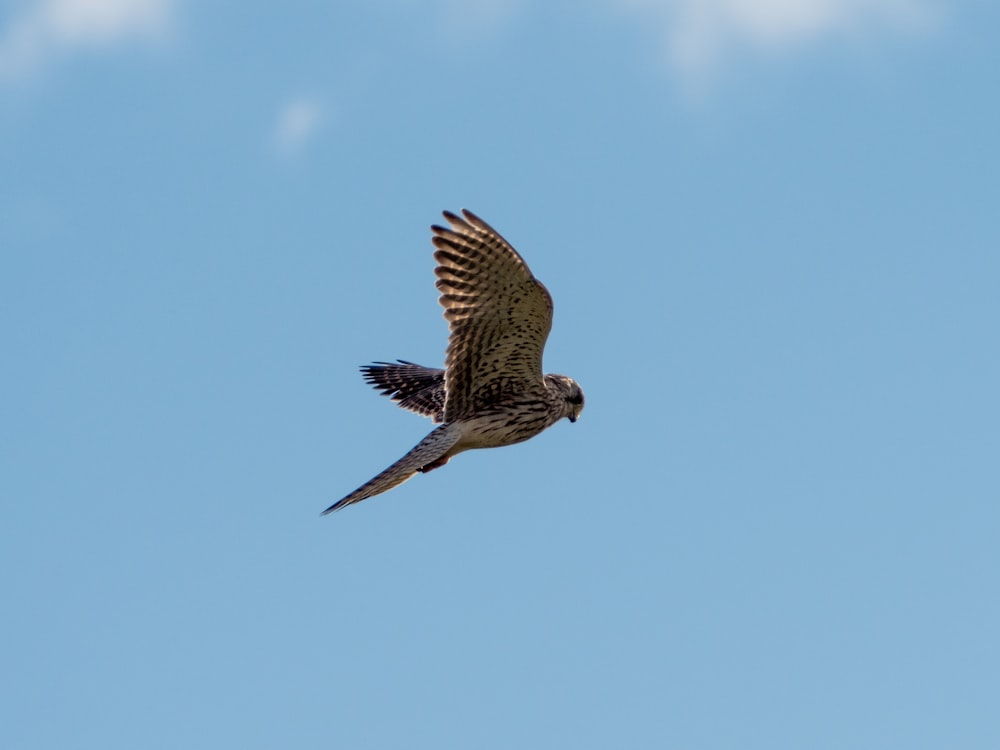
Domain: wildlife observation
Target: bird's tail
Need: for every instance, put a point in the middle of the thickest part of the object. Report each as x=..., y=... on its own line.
x=428, y=454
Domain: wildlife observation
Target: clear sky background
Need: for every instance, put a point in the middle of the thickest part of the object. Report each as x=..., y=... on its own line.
x=771, y=231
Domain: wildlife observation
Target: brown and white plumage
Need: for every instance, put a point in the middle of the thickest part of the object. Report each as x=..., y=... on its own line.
x=499, y=316
x=414, y=387
x=492, y=391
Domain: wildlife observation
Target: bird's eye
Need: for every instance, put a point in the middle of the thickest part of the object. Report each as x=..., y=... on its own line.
x=575, y=398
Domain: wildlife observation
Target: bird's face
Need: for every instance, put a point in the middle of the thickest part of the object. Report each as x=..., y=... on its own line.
x=575, y=402
x=571, y=393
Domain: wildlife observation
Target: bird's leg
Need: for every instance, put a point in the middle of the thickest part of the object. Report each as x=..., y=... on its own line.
x=437, y=463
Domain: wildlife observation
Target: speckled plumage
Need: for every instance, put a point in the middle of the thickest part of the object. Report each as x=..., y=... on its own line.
x=415, y=387
x=492, y=391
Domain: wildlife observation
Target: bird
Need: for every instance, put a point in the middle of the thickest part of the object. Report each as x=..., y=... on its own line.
x=492, y=391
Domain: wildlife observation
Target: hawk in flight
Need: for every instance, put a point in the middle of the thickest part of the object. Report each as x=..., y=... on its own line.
x=492, y=391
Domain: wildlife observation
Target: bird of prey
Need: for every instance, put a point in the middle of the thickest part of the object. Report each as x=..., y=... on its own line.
x=492, y=391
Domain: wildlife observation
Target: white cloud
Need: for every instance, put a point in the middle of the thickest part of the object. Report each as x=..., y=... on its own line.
x=298, y=121
x=702, y=34
x=48, y=29
x=475, y=16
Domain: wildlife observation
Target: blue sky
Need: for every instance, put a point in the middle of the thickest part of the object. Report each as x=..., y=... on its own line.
x=770, y=229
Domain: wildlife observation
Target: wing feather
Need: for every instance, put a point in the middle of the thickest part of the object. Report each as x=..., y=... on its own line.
x=414, y=387
x=499, y=316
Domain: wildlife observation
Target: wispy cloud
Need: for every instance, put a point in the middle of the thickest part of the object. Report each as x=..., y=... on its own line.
x=298, y=120
x=476, y=16
x=702, y=35
x=48, y=29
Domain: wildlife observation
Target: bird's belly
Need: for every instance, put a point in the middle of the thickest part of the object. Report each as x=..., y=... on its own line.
x=493, y=431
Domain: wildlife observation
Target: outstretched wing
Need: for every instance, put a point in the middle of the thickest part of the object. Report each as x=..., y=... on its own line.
x=419, y=389
x=499, y=316
x=429, y=453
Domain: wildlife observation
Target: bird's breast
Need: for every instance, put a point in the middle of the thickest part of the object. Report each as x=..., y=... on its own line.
x=505, y=426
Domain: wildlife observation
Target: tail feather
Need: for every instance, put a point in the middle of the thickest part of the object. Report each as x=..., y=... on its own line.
x=429, y=453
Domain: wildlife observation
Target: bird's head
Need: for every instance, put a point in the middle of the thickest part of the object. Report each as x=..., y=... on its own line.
x=569, y=392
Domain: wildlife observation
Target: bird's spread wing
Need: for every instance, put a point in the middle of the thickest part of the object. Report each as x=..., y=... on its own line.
x=429, y=453
x=499, y=316
x=413, y=387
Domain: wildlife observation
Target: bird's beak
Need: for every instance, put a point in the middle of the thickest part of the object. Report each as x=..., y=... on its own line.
x=572, y=419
